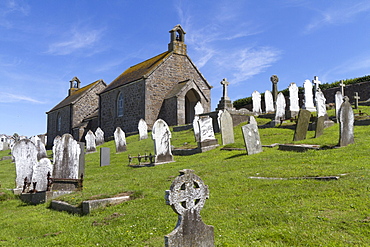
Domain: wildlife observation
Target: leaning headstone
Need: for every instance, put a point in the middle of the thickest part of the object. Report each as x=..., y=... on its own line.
x=99, y=134
x=294, y=100
x=280, y=107
x=207, y=140
x=269, y=102
x=41, y=150
x=143, y=129
x=120, y=140
x=67, y=158
x=308, y=97
x=320, y=125
x=161, y=135
x=346, y=121
x=226, y=128
x=104, y=156
x=25, y=157
x=252, y=137
x=256, y=100
x=338, y=103
x=320, y=104
x=40, y=173
x=302, y=125
x=90, y=142
x=187, y=196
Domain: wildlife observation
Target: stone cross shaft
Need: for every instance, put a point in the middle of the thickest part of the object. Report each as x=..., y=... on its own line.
x=274, y=79
x=316, y=82
x=342, y=85
x=356, y=97
x=225, y=83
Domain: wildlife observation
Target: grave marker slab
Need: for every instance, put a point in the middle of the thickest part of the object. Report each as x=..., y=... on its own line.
x=104, y=157
x=207, y=140
x=41, y=150
x=143, y=129
x=40, y=172
x=99, y=134
x=293, y=99
x=252, y=137
x=226, y=128
x=161, y=135
x=256, y=100
x=319, y=130
x=90, y=142
x=346, y=121
x=269, y=102
x=302, y=125
x=280, y=107
x=308, y=97
x=320, y=104
x=338, y=103
x=25, y=157
x=67, y=158
x=120, y=140
x=187, y=196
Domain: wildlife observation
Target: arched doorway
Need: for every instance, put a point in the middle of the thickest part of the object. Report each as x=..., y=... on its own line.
x=191, y=99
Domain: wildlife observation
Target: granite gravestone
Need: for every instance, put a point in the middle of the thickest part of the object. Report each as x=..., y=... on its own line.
x=338, y=103
x=226, y=128
x=293, y=99
x=280, y=107
x=256, y=100
x=320, y=125
x=207, y=140
x=120, y=140
x=161, y=135
x=274, y=79
x=25, y=157
x=41, y=150
x=67, y=154
x=252, y=137
x=99, y=134
x=40, y=173
x=302, y=125
x=143, y=129
x=308, y=97
x=346, y=121
x=320, y=104
x=90, y=142
x=104, y=156
x=269, y=102
x=187, y=196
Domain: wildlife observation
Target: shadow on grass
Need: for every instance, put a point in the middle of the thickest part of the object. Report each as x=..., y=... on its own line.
x=235, y=156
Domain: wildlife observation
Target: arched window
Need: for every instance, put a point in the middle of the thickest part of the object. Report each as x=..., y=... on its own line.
x=120, y=105
x=59, y=122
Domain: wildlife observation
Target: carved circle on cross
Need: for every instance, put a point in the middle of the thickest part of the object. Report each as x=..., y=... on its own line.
x=274, y=79
x=187, y=192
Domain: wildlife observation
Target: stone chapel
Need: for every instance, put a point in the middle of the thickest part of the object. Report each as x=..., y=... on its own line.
x=166, y=86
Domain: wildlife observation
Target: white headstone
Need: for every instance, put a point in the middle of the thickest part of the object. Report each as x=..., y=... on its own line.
x=206, y=129
x=293, y=97
x=252, y=137
x=90, y=142
x=320, y=104
x=308, y=97
x=67, y=155
x=269, y=102
x=120, y=140
x=56, y=142
x=280, y=107
x=317, y=83
x=198, y=109
x=161, y=135
x=256, y=100
x=99, y=134
x=143, y=129
x=25, y=157
x=338, y=102
x=41, y=150
x=40, y=173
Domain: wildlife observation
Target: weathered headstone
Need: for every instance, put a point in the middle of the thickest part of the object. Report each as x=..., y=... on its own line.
x=346, y=121
x=41, y=150
x=99, y=134
x=66, y=164
x=90, y=142
x=320, y=104
x=338, y=103
x=207, y=140
x=226, y=127
x=198, y=109
x=308, y=98
x=280, y=107
x=269, y=102
x=302, y=125
x=25, y=157
x=356, y=97
x=256, y=101
x=319, y=130
x=57, y=140
x=143, y=129
x=187, y=196
x=252, y=137
x=40, y=172
x=293, y=99
x=161, y=135
x=120, y=140
x=104, y=156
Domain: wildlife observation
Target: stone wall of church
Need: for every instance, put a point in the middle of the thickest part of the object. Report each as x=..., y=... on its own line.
x=168, y=111
x=52, y=132
x=87, y=104
x=133, y=110
x=175, y=69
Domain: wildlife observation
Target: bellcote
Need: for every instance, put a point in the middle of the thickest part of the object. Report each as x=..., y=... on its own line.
x=74, y=85
x=177, y=43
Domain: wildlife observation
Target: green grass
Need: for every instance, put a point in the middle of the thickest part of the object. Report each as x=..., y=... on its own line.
x=243, y=211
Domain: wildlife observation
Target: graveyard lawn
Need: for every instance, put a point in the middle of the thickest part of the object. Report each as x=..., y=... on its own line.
x=244, y=211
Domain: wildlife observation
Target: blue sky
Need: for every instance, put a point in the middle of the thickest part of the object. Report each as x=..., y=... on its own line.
x=44, y=44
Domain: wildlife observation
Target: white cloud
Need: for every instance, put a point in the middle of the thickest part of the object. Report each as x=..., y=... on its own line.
x=12, y=98
x=9, y=8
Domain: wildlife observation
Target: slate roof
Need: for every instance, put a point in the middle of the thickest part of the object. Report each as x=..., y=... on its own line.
x=137, y=71
x=71, y=99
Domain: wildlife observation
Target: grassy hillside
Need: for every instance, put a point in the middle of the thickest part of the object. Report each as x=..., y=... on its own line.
x=243, y=211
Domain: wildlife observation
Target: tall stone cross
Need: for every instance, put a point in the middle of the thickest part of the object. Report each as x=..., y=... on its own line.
x=342, y=85
x=356, y=97
x=316, y=82
x=274, y=79
x=225, y=83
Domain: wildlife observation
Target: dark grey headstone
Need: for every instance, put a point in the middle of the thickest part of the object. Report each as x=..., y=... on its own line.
x=319, y=130
x=104, y=156
x=302, y=125
x=81, y=168
x=187, y=196
x=226, y=127
x=252, y=138
x=346, y=121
